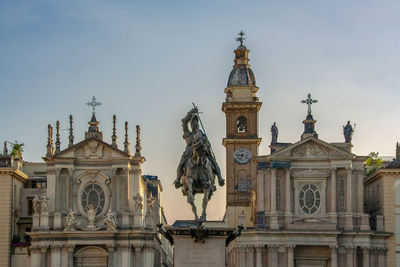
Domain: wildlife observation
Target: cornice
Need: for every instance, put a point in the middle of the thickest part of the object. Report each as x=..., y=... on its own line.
x=234, y=106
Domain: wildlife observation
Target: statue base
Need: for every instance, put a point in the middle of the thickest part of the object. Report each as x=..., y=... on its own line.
x=199, y=245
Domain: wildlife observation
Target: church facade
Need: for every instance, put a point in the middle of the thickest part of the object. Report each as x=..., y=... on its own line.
x=86, y=205
x=303, y=204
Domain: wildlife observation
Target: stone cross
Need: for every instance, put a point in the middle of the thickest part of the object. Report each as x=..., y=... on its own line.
x=309, y=101
x=93, y=103
x=241, y=38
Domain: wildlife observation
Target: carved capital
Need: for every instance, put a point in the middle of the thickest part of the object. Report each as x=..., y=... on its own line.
x=56, y=247
x=137, y=248
x=125, y=245
x=110, y=247
x=71, y=172
x=43, y=249
x=70, y=248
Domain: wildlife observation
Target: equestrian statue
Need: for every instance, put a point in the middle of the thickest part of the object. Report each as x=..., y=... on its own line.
x=197, y=168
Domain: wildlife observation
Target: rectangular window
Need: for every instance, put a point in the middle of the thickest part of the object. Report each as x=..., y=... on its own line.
x=30, y=206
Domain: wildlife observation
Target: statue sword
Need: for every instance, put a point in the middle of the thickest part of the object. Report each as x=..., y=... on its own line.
x=202, y=127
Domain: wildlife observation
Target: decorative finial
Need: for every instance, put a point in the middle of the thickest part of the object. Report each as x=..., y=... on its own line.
x=58, y=142
x=309, y=101
x=240, y=38
x=5, y=149
x=114, y=135
x=71, y=136
x=126, y=143
x=50, y=147
x=138, y=147
x=93, y=103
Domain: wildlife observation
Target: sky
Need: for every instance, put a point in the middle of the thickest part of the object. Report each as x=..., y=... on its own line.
x=147, y=61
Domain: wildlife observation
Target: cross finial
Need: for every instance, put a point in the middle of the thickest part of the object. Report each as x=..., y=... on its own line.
x=309, y=101
x=93, y=103
x=240, y=38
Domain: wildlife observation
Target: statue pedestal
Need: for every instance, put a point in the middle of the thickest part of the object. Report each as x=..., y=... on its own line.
x=202, y=246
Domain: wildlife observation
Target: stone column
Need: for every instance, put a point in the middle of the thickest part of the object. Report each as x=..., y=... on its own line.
x=273, y=217
x=35, y=257
x=64, y=256
x=110, y=249
x=360, y=191
x=381, y=257
x=333, y=196
x=138, y=258
x=288, y=194
x=149, y=256
x=125, y=257
x=349, y=256
x=334, y=260
x=349, y=211
x=273, y=190
x=273, y=255
x=249, y=256
x=56, y=255
x=58, y=190
x=260, y=191
x=259, y=251
x=70, y=188
x=365, y=252
x=70, y=250
x=290, y=255
x=43, y=257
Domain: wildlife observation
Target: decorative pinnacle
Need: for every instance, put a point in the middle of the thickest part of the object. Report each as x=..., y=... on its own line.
x=240, y=38
x=126, y=143
x=58, y=142
x=71, y=136
x=309, y=101
x=49, y=141
x=93, y=103
x=114, y=135
x=138, y=147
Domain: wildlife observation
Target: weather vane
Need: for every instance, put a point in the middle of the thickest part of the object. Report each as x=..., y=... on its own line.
x=309, y=101
x=241, y=38
x=93, y=103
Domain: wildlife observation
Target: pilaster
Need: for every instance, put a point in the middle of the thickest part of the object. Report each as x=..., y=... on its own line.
x=290, y=255
x=273, y=215
x=110, y=249
x=70, y=250
x=334, y=258
x=43, y=256
x=125, y=255
x=273, y=255
x=365, y=253
x=56, y=255
x=333, y=214
x=288, y=194
x=349, y=211
x=259, y=251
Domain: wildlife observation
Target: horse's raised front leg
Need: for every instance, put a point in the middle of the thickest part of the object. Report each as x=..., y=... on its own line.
x=190, y=197
x=204, y=205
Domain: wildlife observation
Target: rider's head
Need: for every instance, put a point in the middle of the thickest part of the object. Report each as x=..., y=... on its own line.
x=194, y=122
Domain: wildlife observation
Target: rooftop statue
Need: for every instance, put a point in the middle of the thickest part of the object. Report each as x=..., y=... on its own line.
x=348, y=132
x=274, y=133
x=197, y=168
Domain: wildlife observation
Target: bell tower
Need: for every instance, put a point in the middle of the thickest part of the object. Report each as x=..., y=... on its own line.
x=241, y=109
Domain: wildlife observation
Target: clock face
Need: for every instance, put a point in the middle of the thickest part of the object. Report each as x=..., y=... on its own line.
x=242, y=155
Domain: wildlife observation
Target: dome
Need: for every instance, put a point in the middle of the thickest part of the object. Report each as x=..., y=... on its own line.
x=241, y=76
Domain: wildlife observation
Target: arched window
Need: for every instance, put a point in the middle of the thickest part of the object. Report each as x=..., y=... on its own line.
x=241, y=124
